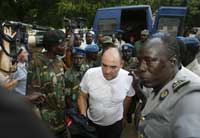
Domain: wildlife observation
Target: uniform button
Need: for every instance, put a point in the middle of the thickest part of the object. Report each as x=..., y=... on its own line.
x=141, y=135
x=142, y=118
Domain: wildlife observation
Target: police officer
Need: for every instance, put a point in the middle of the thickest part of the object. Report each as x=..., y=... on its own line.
x=46, y=75
x=73, y=75
x=129, y=56
x=92, y=59
x=106, y=43
x=172, y=108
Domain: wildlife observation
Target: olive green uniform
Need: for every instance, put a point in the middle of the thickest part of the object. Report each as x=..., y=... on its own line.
x=47, y=76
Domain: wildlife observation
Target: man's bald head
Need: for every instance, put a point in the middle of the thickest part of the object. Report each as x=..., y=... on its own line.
x=112, y=53
x=111, y=63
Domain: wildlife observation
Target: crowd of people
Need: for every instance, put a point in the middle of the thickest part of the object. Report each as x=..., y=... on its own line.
x=89, y=87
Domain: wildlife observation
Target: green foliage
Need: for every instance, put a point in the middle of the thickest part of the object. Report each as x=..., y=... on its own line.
x=52, y=12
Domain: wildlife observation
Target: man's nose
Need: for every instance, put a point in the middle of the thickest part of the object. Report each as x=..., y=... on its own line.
x=107, y=70
x=143, y=66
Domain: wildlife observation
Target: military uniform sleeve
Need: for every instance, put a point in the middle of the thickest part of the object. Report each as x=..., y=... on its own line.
x=84, y=83
x=187, y=120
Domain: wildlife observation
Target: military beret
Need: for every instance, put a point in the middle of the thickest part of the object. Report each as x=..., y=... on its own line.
x=127, y=46
x=107, y=40
x=91, y=48
x=191, y=41
x=119, y=31
x=77, y=51
x=53, y=38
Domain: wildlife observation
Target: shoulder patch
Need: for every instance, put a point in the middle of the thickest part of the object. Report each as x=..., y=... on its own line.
x=178, y=84
x=164, y=94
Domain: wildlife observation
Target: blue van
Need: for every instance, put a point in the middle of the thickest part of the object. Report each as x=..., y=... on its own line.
x=131, y=20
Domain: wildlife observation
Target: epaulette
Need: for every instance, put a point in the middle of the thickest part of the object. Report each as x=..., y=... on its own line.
x=178, y=84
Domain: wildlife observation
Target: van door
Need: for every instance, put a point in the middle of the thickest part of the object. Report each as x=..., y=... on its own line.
x=134, y=19
x=107, y=20
x=171, y=20
x=130, y=19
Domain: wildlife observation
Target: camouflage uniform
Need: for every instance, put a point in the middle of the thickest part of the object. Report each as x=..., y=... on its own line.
x=47, y=77
x=72, y=80
x=130, y=64
x=93, y=63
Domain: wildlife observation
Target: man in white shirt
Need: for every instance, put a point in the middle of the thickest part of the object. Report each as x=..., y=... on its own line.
x=109, y=97
x=21, y=74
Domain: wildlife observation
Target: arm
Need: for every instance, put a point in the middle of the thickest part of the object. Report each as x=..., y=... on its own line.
x=82, y=103
x=127, y=103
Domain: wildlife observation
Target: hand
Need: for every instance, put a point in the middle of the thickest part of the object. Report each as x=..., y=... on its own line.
x=37, y=98
x=136, y=83
x=10, y=83
x=8, y=31
x=124, y=122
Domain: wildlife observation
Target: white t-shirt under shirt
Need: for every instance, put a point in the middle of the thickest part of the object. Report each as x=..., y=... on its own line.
x=106, y=97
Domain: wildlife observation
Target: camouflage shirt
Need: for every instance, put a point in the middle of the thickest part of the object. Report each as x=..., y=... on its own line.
x=47, y=76
x=130, y=64
x=72, y=80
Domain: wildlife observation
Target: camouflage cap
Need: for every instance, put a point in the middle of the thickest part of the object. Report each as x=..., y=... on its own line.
x=145, y=32
x=107, y=40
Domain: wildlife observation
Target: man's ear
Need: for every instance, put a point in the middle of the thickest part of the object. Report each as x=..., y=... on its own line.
x=173, y=60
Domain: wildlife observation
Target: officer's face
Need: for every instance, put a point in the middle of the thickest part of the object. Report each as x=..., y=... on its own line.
x=144, y=37
x=89, y=38
x=154, y=67
x=77, y=41
x=78, y=60
x=111, y=65
x=127, y=54
x=100, y=38
x=92, y=55
x=60, y=49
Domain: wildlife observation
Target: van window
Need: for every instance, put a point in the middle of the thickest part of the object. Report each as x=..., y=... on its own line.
x=107, y=26
x=133, y=21
x=169, y=24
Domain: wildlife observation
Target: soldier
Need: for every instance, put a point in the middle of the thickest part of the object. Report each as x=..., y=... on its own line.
x=73, y=76
x=99, y=40
x=172, y=108
x=129, y=62
x=106, y=43
x=46, y=75
x=128, y=56
x=92, y=59
x=143, y=37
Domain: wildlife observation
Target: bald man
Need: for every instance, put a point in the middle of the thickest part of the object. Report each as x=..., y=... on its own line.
x=105, y=95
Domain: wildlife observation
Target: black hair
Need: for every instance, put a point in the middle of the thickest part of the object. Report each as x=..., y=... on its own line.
x=188, y=51
x=170, y=44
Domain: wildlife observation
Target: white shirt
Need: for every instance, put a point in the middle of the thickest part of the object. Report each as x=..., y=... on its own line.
x=106, y=97
x=21, y=75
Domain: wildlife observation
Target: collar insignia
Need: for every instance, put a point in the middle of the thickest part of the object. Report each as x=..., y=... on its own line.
x=164, y=94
